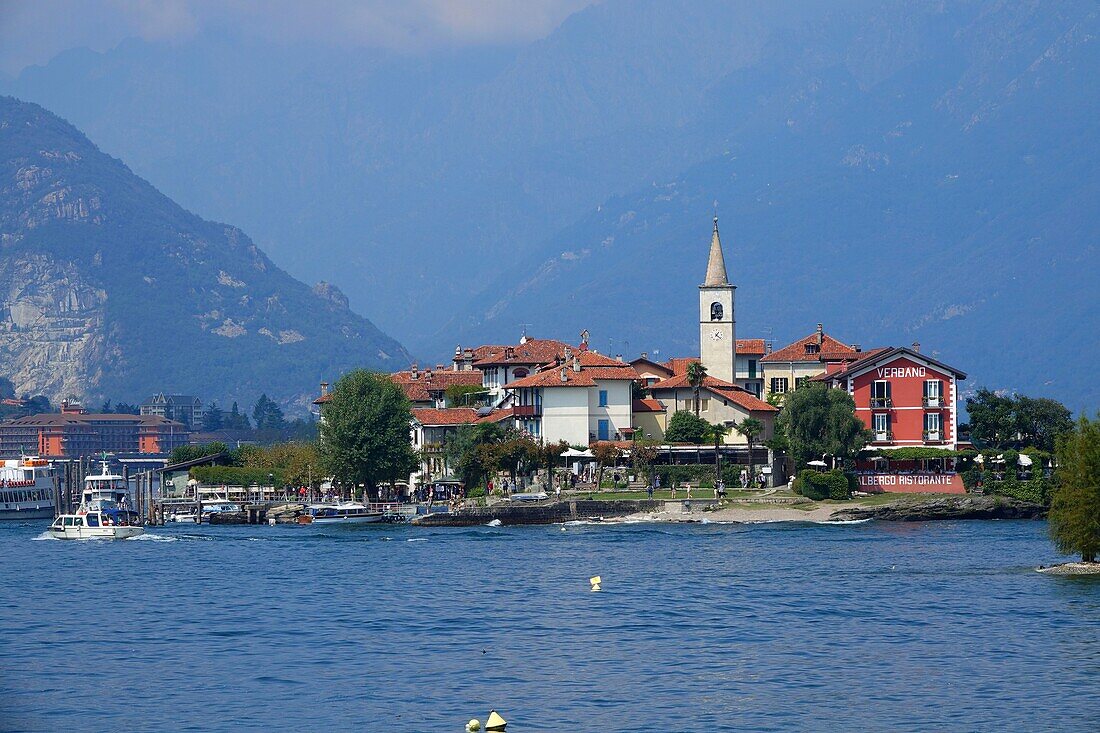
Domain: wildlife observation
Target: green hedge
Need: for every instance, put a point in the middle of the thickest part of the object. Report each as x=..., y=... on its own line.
x=703, y=475
x=234, y=476
x=818, y=485
x=1037, y=489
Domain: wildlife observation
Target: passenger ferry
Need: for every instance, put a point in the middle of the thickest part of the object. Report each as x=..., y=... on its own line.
x=339, y=513
x=26, y=489
x=104, y=511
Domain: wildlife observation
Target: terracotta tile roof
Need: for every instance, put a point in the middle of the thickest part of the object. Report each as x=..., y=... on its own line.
x=640, y=363
x=431, y=416
x=720, y=387
x=750, y=346
x=533, y=353
x=679, y=365
x=420, y=389
x=830, y=350
x=647, y=405
x=323, y=399
x=586, y=377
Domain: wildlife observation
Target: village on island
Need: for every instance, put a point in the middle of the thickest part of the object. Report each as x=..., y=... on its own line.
x=563, y=421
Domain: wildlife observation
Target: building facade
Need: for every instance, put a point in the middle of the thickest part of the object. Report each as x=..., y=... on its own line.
x=785, y=369
x=717, y=325
x=181, y=408
x=67, y=435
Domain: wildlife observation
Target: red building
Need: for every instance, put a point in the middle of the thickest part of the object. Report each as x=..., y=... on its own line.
x=906, y=399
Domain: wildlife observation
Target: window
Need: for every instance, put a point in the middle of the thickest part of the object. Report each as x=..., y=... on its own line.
x=933, y=393
x=603, y=428
x=93, y=520
x=881, y=425
x=880, y=393
x=812, y=348
x=752, y=368
x=603, y=398
x=932, y=426
x=519, y=373
x=779, y=385
x=704, y=404
x=716, y=311
x=801, y=382
x=754, y=389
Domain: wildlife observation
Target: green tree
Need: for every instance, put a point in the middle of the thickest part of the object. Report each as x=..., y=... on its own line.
x=185, y=453
x=365, y=436
x=267, y=415
x=992, y=419
x=1041, y=421
x=516, y=454
x=548, y=455
x=465, y=395
x=1074, y=518
x=214, y=419
x=465, y=458
x=236, y=420
x=126, y=408
x=750, y=428
x=643, y=454
x=717, y=432
x=685, y=427
x=818, y=421
x=696, y=374
x=7, y=389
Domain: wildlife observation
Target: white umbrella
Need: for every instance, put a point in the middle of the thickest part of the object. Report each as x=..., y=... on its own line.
x=979, y=458
x=1024, y=460
x=574, y=453
x=817, y=463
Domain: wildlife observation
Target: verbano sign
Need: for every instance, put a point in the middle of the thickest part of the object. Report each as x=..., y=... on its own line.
x=886, y=372
x=945, y=483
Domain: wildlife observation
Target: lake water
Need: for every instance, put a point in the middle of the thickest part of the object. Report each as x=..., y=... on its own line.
x=770, y=627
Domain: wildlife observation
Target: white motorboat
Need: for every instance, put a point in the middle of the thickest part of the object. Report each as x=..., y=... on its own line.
x=26, y=489
x=184, y=516
x=218, y=507
x=104, y=511
x=340, y=513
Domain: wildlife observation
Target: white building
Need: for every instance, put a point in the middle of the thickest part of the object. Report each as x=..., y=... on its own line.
x=581, y=399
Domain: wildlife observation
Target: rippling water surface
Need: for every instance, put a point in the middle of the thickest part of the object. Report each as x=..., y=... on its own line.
x=786, y=627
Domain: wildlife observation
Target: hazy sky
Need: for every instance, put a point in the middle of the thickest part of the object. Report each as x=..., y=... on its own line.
x=33, y=31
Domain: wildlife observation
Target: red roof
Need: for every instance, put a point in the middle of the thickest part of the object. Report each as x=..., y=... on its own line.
x=445, y=416
x=323, y=399
x=643, y=363
x=877, y=356
x=679, y=365
x=648, y=405
x=586, y=377
x=419, y=389
x=828, y=350
x=533, y=352
x=720, y=387
x=750, y=346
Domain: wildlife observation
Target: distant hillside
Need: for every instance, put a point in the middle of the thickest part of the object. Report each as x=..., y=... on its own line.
x=108, y=288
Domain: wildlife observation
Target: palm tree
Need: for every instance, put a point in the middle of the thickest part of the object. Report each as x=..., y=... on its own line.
x=717, y=431
x=750, y=427
x=696, y=374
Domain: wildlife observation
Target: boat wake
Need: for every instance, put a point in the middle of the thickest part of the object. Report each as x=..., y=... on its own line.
x=44, y=536
x=844, y=521
x=154, y=538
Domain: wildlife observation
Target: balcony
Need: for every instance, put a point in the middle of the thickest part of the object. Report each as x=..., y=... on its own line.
x=932, y=436
x=527, y=410
x=882, y=403
x=933, y=402
x=884, y=436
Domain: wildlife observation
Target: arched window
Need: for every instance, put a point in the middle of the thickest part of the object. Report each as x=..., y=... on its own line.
x=520, y=373
x=715, y=311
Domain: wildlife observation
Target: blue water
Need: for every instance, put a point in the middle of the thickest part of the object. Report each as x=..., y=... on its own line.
x=784, y=627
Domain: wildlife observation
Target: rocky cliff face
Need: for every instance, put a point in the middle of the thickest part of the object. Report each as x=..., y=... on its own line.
x=108, y=288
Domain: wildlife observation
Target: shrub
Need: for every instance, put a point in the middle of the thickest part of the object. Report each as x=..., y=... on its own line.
x=824, y=485
x=476, y=492
x=234, y=475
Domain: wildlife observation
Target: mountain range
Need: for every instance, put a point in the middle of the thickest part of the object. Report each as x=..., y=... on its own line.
x=899, y=170
x=110, y=289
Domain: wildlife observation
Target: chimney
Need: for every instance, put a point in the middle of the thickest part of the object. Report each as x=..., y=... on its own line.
x=415, y=371
x=576, y=363
x=564, y=374
x=619, y=357
x=767, y=347
x=645, y=354
x=568, y=351
x=439, y=367
x=916, y=346
x=820, y=335
x=428, y=374
x=856, y=348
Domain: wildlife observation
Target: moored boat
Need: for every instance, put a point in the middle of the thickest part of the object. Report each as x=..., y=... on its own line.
x=339, y=513
x=26, y=489
x=104, y=511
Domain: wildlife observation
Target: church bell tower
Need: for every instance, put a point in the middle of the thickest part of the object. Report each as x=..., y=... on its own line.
x=717, y=326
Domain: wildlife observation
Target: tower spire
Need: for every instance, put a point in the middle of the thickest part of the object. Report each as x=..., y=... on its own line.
x=716, y=265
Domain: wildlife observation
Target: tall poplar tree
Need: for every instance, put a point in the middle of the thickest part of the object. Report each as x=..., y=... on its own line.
x=1075, y=506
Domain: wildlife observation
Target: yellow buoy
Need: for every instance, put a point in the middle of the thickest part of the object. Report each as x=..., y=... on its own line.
x=595, y=581
x=473, y=726
x=495, y=722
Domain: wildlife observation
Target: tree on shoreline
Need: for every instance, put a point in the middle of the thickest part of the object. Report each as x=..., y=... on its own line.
x=685, y=427
x=365, y=434
x=696, y=374
x=1075, y=507
x=750, y=427
x=820, y=421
